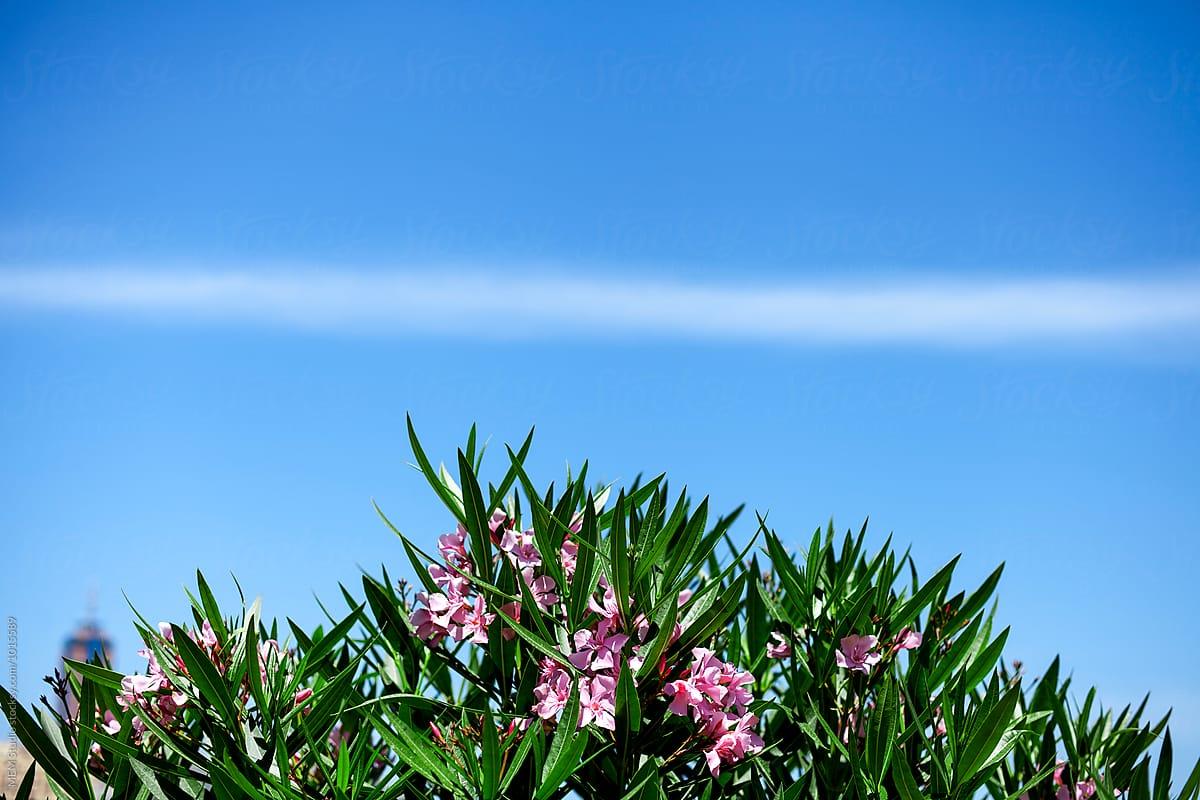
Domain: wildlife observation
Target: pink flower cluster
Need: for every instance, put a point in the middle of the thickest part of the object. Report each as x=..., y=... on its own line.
x=599, y=658
x=1082, y=789
x=153, y=694
x=597, y=696
x=716, y=695
x=110, y=725
x=456, y=611
x=713, y=693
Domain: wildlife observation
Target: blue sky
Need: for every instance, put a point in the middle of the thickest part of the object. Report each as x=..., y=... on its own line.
x=935, y=266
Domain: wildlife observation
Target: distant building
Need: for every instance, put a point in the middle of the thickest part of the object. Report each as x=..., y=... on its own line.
x=84, y=643
x=87, y=642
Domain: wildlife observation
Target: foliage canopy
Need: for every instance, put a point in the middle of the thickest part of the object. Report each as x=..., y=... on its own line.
x=598, y=642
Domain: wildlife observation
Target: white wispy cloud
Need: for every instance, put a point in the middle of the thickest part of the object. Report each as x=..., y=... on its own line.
x=932, y=310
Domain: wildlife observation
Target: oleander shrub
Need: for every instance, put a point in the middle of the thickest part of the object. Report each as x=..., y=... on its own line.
x=605, y=642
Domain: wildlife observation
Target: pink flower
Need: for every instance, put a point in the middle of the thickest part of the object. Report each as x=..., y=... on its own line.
x=205, y=636
x=737, y=688
x=552, y=692
x=521, y=548
x=512, y=610
x=169, y=704
x=1083, y=789
x=453, y=547
x=597, y=702
x=734, y=745
x=164, y=630
x=153, y=669
x=709, y=690
x=856, y=654
x=443, y=615
x=450, y=581
x=498, y=521
x=301, y=696
x=133, y=687
x=707, y=672
x=781, y=648
x=607, y=608
x=475, y=623
x=543, y=588
x=569, y=555
x=907, y=639
x=268, y=653
x=684, y=696
x=111, y=725
x=151, y=694
x=595, y=651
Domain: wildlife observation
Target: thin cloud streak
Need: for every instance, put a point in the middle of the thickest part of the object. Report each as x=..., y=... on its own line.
x=940, y=311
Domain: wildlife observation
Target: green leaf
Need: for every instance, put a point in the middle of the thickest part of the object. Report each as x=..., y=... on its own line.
x=906, y=784
x=1191, y=787
x=1162, y=773
x=510, y=476
x=653, y=652
x=212, y=612
x=584, y=582
x=650, y=549
x=619, y=560
x=148, y=779
x=981, y=666
x=681, y=551
x=714, y=618
x=490, y=765
x=646, y=782
x=758, y=628
x=928, y=593
x=628, y=707
x=418, y=751
x=983, y=738
x=543, y=646
x=420, y=568
x=253, y=672
x=431, y=475
x=40, y=746
x=979, y=597
x=530, y=737
x=318, y=650
x=881, y=730
x=204, y=676
x=477, y=524
x=101, y=675
x=635, y=499
x=956, y=655
x=26, y=787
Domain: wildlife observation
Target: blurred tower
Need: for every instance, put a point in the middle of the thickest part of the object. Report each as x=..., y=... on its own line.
x=86, y=642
